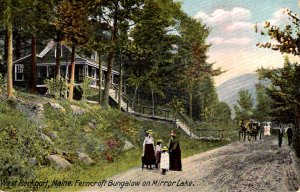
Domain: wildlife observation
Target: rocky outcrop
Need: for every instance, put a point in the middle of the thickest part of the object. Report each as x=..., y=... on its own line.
x=38, y=108
x=53, y=135
x=76, y=110
x=58, y=161
x=91, y=125
x=85, y=159
x=127, y=145
x=57, y=107
x=46, y=138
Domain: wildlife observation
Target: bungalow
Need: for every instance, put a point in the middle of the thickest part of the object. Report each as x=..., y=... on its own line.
x=46, y=65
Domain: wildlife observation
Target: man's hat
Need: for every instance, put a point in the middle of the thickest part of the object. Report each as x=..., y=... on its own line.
x=149, y=131
x=159, y=140
x=165, y=148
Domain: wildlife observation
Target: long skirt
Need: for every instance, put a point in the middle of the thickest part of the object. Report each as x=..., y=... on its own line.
x=158, y=154
x=149, y=158
x=175, y=161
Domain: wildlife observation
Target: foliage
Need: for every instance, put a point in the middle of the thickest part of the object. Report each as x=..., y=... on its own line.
x=19, y=143
x=191, y=57
x=85, y=87
x=176, y=105
x=56, y=86
x=222, y=113
x=284, y=89
x=263, y=108
x=244, y=109
x=150, y=51
x=2, y=82
x=206, y=99
x=287, y=39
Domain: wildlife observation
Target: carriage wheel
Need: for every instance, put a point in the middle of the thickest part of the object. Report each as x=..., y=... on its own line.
x=244, y=135
x=241, y=136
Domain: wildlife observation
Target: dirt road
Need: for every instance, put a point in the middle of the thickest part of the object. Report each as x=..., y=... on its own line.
x=240, y=166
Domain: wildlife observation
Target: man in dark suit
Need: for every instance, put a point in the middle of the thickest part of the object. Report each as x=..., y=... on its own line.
x=290, y=135
x=280, y=135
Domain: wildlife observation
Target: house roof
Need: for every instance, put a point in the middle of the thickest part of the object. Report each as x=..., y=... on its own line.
x=78, y=59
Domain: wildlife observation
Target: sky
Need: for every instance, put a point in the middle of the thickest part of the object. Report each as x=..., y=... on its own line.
x=232, y=34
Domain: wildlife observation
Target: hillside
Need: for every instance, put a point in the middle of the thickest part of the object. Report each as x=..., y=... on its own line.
x=46, y=139
x=228, y=91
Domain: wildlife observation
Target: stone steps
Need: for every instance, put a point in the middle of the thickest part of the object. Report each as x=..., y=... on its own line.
x=185, y=128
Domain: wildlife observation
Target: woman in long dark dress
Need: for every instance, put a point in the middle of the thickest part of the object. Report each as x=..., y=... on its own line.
x=175, y=153
x=148, y=147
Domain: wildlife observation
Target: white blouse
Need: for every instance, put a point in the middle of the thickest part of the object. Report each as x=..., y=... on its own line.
x=148, y=140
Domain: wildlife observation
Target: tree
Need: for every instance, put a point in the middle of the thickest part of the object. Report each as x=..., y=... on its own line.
x=244, y=108
x=263, y=109
x=73, y=21
x=35, y=22
x=114, y=13
x=207, y=100
x=149, y=51
x=284, y=89
x=8, y=25
x=287, y=40
x=222, y=112
x=192, y=51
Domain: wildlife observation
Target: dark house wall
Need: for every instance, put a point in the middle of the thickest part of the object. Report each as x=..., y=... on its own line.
x=27, y=72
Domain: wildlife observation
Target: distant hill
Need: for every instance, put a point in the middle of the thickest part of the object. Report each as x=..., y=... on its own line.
x=228, y=91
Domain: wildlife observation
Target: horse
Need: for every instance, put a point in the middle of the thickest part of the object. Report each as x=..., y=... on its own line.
x=252, y=132
x=242, y=133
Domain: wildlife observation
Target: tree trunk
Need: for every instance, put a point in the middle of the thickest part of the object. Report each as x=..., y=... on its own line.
x=6, y=49
x=296, y=137
x=57, y=60
x=120, y=85
x=72, y=79
x=135, y=94
x=190, y=103
x=108, y=79
x=18, y=45
x=152, y=95
x=33, y=64
x=110, y=58
x=9, y=62
x=100, y=80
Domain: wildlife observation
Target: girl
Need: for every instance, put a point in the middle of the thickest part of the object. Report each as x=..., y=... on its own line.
x=165, y=160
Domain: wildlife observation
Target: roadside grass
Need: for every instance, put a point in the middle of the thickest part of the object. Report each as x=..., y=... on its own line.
x=124, y=161
x=75, y=135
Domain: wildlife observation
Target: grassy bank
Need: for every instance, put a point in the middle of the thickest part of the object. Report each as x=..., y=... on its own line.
x=28, y=136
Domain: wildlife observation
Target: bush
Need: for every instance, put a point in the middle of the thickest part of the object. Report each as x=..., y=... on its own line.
x=85, y=88
x=20, y=143
x=2, y=82
x=56, y=87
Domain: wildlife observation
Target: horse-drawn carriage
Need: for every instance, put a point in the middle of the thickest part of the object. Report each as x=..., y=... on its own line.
x=250, y=131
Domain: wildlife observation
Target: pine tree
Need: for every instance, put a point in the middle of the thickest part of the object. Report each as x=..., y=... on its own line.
x=244, y=108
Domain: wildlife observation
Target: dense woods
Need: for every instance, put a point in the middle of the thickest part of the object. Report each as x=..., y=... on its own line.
x=161, y=51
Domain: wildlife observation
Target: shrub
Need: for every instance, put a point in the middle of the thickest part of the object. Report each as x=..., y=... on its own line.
x=85, y=88
x=56, y=87
x=2, y=82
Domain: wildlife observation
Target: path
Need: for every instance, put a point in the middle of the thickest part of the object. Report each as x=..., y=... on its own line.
x=240, y=166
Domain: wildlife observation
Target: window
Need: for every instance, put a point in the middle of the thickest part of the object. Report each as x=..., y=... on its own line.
x=19, y=72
